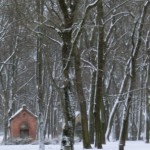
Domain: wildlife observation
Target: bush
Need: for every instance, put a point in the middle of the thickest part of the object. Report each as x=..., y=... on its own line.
x=18, y=141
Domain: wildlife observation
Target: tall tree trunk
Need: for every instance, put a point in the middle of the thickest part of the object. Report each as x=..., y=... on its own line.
x=6, y=102
x=147, y=110
x=39, y=73
x=82, y=100
x=132, y=75
x=68, y=8
x=147, y=91
x=91, y=115
x=139, y=125
x=99, y=78
x=123, y=131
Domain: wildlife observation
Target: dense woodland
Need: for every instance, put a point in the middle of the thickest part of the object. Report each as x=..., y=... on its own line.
x=91, y=56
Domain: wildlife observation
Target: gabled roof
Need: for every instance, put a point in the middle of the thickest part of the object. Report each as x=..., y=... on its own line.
x=20, y=110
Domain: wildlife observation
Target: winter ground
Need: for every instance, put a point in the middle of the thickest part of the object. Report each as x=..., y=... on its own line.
x=140, y=145
x=130, y=145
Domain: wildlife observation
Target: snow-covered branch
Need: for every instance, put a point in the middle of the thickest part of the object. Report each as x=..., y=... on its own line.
x=116, y=7
x=25, y=83
x=89, y=63
x=5, y=62
x=75, y=38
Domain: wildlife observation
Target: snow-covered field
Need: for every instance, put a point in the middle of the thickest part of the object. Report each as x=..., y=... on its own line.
x=130, y=145
x=109, y=146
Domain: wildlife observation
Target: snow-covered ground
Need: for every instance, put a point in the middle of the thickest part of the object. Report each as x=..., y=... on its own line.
x=109, y=146
x=130, y=145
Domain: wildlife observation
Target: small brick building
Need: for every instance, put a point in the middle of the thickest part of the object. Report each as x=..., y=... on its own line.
x=23, y=124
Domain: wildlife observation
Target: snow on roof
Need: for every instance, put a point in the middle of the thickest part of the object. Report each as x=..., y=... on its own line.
x=21, y=109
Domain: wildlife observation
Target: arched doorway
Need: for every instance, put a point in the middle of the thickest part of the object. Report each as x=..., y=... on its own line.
x=24, y=130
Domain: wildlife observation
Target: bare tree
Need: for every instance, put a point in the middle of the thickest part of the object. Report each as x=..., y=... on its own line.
x=40, y=73
x=132, y=75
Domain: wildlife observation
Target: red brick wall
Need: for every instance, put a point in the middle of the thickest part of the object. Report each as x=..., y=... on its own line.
x=17, y=121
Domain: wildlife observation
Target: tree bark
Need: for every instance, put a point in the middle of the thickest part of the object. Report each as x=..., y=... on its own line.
x=132, y=74
x=91, y=115
x=147, y=110
x=68, y=10
x=99, y=78
x=82, y=100
x=39, y=74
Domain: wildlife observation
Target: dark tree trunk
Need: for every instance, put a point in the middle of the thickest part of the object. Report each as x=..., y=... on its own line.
x=82, y=100
x=147, y=110
x=40, y=74
x=99, y=79
x=132, y=75
x=91, y=115
x=66, y=35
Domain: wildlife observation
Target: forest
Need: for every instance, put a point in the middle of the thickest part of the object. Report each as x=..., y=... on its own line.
x=60, y=57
